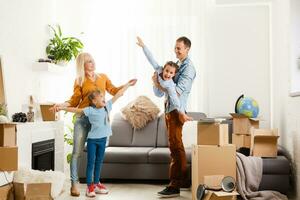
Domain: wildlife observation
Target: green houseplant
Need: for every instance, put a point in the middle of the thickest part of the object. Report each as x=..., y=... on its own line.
x=68, y=135
x=62, y=49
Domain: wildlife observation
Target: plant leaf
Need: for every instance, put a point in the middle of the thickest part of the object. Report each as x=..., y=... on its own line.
x=59, y=30
x=69, y=157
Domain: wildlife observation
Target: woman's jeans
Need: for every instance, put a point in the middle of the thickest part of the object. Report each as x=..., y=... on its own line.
x=95, y=152
x=81, y=128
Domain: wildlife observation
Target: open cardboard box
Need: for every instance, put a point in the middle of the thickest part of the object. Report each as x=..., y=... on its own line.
x=8, y=158
x=215, y=182
x=241, y=140
x=220, y=195
x=242, y=124
x=8, y=136
x=47, y=115
x=32, y=191
x=212, y=133
x=6, y=192
x=209, y=160
x=264, y=142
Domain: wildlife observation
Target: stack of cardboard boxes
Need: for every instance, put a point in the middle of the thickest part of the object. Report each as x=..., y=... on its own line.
x=9, y=162
x=246, y=133
x=8, y=148
x=212, y=156
x=242, y=125
x=8, y=155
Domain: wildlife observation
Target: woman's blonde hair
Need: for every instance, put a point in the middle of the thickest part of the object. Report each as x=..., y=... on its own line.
x=80, y=61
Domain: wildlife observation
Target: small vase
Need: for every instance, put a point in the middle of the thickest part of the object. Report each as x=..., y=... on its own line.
x=3, y=119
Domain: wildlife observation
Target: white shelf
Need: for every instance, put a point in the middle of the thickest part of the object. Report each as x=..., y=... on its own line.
x=294, y=94
x=48, y=67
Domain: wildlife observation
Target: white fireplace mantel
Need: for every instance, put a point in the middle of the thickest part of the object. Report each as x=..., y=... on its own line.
x=32, y=132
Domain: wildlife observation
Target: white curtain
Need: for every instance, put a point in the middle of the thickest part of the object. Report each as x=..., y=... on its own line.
x=110, y=30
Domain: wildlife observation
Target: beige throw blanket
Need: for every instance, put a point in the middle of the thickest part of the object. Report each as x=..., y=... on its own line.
x=249, y=174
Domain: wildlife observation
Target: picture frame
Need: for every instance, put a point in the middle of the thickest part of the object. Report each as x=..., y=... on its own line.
x=2, y=83
x=295, y=79
x=3, y=101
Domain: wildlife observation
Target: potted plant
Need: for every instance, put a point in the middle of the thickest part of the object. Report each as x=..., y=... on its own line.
x=62, y=49
x=68, y=135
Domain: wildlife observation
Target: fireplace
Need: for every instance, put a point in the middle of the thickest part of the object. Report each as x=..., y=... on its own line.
x=43, y=155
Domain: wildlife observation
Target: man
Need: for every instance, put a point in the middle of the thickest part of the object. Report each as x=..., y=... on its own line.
x=175, y=119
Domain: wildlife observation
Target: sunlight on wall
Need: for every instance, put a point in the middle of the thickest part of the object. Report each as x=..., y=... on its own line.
x=110, y=29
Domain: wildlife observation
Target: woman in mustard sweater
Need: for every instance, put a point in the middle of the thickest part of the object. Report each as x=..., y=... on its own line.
x=87, y=80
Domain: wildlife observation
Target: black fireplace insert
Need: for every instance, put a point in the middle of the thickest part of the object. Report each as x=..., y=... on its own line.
x=43, y=155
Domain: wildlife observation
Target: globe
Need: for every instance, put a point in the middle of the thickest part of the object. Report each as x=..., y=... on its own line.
x=247, y=106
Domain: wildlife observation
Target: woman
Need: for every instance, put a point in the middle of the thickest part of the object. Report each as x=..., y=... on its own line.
x=87, y=81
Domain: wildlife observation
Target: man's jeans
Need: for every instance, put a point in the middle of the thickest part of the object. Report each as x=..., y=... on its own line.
x=81, y=128
x=95, y=152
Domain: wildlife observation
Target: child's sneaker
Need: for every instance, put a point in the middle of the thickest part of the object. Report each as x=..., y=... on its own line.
x=90, y=191
x=100, y=189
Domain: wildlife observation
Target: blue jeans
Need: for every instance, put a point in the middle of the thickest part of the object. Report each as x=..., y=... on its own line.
x=81, y=128
x=95, y=154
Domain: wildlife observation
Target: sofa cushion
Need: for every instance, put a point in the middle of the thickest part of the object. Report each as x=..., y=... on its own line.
x=122, y=132
x=145, y=137
x=162, y=135
x=162, y=155
x=140, y=111
x=277, y=182
x=278, y=165
x=126, y=154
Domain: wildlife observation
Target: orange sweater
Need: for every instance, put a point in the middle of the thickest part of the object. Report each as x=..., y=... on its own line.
x=80, y=95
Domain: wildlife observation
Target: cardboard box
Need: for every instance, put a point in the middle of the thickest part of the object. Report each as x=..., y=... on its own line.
x=264, y=142
x=220, y=195
x=208, y=160
x=213, y=181
x=32, y=191
x=8, y=136
x=212, y=133
x=241, y=140
x=8, y=158
x=242, y=124
x=6, y=192
x=47, y=115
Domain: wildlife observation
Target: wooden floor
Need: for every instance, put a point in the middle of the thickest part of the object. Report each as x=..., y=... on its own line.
x=125, y=191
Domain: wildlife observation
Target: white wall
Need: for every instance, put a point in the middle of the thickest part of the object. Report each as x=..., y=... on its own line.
x=23, y=38
x=267, y=35
x=295, y=47
x=287, y=112
x=238, y=56
x=110, y=36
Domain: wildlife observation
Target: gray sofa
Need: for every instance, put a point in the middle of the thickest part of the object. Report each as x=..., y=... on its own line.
x=137, y=154
x=144, y=154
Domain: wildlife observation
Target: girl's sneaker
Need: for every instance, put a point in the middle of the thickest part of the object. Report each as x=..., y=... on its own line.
x=90, y=191
x=100, y=189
